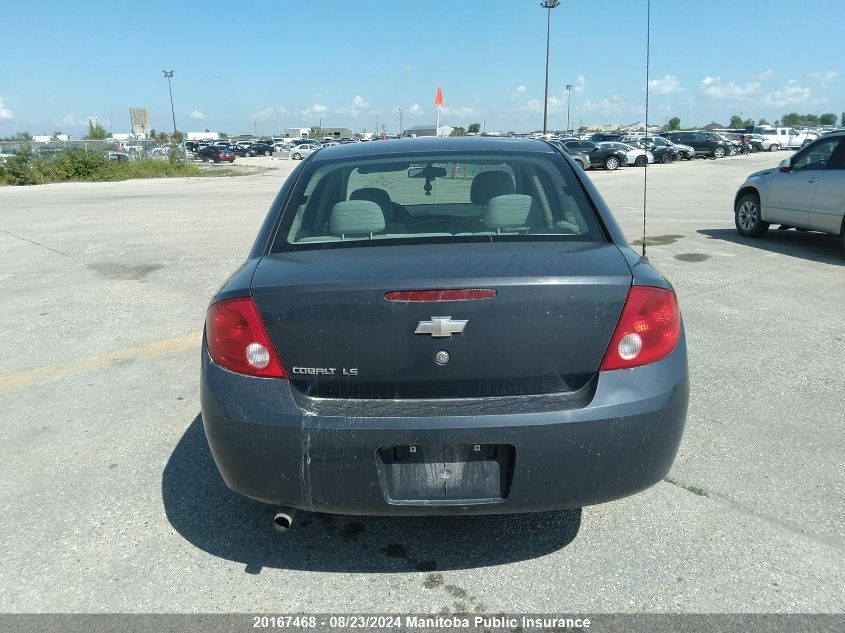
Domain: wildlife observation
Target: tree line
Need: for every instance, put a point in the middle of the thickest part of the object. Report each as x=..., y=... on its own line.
x=793, y=119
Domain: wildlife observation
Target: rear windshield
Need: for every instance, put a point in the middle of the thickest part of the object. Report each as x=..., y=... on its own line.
x=415, y=199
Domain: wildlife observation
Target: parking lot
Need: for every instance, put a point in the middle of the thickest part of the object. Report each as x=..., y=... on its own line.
x=110, y=500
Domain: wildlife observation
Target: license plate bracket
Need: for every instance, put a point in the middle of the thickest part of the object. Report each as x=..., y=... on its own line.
x=445, y=473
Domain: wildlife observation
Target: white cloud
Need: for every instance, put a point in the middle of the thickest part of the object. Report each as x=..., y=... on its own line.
x=5, y=113
x=359, y=105
x=666, y=85
x=606, y=106
x=763, y=76
x=315, y=110
x=463, y=111
x=196, y=114
x=825, y=78
x=519, y=90
x=718, y=88
x=792, y=94
x=269, y=115
x=580, y=84
x=70, y=120
x=415, y=109
x=555, y=104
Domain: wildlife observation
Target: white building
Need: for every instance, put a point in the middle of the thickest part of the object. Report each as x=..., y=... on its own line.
x=604, y=127
x=639, y=126
x=203, y=136
x=46, y=138
x=297, y=132
x=428, y=130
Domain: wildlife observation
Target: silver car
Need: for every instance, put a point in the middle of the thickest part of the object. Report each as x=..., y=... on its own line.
x=806, y=191
x=297, y=152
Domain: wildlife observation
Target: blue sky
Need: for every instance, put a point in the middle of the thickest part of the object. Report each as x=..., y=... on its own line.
x=269, y=65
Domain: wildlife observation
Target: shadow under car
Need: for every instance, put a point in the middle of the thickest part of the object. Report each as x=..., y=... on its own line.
x=817, y=247
x=207, y=514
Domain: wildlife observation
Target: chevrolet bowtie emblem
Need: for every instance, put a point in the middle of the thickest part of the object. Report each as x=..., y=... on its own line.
x=440, y=326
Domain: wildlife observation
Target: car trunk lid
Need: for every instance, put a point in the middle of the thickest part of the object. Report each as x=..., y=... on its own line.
x=546, y=330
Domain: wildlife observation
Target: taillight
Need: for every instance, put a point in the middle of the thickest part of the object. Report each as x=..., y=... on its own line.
x=648, y=330
x=237, y=339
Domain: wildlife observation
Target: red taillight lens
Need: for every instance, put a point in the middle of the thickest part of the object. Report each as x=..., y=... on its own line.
x=237, y=339
x=469, y=294
x=648, y=330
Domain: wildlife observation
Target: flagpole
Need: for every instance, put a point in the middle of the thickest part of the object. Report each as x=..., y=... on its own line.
x=438, y=101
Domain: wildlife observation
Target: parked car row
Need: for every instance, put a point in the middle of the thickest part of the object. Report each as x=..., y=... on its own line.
x=217, y=151
x=604, y=151
x=611, y=155
x=297, y=148
x=611, y=151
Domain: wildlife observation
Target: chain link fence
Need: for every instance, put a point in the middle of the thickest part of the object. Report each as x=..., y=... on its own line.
x=114, y=150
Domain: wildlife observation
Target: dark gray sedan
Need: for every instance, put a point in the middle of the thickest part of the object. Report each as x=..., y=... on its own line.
x=440, y=325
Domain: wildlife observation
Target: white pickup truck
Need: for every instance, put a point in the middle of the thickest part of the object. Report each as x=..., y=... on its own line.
x=775, y=138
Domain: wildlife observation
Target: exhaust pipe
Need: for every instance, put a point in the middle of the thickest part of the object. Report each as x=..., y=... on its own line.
x=283, y=519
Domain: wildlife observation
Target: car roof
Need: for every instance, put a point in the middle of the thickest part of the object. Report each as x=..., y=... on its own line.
x=433, y=144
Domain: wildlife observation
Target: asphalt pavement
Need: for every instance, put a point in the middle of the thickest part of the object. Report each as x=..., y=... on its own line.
x=110, y=502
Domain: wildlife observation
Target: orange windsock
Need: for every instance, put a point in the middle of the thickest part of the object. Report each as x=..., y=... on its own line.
x=438, y=99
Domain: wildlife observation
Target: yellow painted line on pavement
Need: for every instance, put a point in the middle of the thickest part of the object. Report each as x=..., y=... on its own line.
x=21, y=379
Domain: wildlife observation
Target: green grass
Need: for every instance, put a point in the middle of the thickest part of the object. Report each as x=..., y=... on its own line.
x=150, y=168
x=74, y=165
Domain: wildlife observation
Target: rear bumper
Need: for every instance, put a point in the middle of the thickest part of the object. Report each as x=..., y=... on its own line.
x=275, y=445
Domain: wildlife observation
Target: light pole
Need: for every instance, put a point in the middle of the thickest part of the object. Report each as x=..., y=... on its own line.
x=568, y=101
x=400, y=121
x=548, y=5
x=167, y=75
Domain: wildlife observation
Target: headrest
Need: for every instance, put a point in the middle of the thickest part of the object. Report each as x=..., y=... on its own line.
x=489, y=184
x=356, y=217
x=379, y=196
x=508, y=211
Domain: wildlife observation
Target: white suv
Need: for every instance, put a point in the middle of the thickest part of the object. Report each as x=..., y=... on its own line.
x=805, y=191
